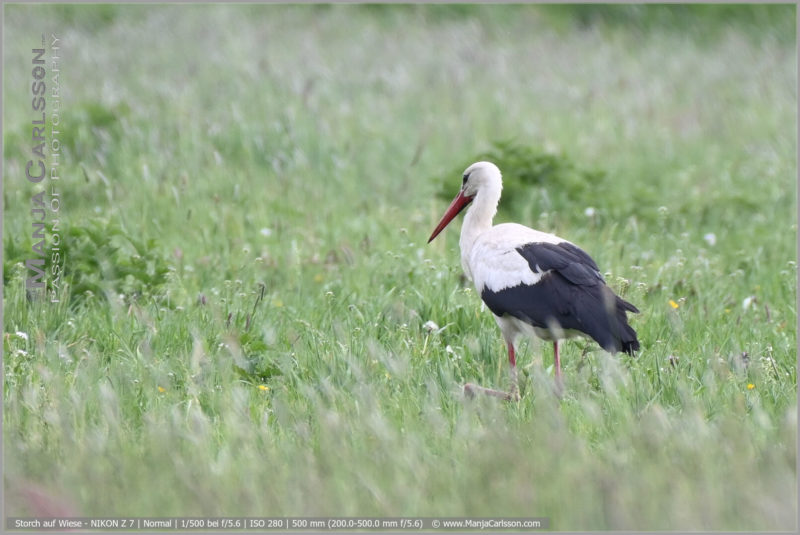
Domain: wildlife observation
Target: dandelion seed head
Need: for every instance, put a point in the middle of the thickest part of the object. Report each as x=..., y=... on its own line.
x=430, y=326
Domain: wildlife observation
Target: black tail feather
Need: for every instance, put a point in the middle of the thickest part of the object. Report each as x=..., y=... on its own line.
x=627, y=340
x=615, y=334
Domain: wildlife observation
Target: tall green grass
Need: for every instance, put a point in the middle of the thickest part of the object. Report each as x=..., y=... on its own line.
x=248, y=191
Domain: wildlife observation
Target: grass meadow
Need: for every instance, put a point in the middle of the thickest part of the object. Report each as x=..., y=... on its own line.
x=245, y=200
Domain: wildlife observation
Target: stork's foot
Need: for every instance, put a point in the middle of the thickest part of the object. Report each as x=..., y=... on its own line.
x=470, y=390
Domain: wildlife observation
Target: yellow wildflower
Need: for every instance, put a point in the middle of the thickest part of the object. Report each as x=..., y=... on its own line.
x=750, y=386
x=673, y=304
x=263, y=388
x=162, y=389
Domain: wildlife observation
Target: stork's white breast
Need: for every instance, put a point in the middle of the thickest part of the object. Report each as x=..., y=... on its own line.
x=494, y=262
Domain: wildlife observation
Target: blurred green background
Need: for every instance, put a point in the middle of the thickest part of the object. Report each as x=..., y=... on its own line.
x=246, y=195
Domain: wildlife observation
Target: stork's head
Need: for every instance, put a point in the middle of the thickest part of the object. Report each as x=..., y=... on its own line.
x=480, y=178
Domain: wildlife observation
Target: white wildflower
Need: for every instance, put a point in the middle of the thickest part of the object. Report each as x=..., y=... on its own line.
x=430, y=326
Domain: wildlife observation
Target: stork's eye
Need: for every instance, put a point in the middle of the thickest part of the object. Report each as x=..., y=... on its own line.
x=464, y=180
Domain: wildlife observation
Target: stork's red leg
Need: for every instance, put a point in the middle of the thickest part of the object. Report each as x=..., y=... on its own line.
x=512, y=361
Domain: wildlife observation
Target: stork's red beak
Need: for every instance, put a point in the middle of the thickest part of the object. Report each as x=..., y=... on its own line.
x=458, y=204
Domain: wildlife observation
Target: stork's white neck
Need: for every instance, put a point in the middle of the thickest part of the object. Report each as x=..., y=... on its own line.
x=477, y=220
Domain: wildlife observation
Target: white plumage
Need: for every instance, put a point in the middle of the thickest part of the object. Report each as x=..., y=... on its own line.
x=496, y=263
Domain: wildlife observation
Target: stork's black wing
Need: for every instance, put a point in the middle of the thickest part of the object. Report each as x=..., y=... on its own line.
x=571, y=294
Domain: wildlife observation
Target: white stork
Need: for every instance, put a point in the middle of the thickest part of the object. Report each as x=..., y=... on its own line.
x=534, y=283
